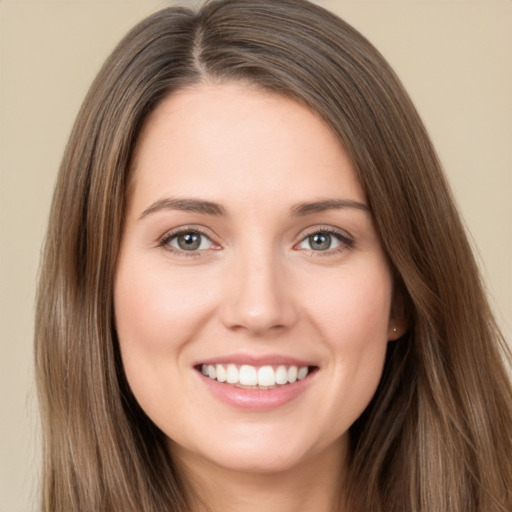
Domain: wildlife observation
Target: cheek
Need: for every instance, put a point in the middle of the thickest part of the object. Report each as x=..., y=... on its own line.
x=158, y=310
x=352, y=313
x=158, y=314
x=353, y=309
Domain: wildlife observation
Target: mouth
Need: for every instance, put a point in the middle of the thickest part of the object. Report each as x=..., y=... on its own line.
x=247, y=376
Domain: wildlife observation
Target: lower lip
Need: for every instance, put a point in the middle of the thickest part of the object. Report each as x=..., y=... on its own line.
x=257, y=399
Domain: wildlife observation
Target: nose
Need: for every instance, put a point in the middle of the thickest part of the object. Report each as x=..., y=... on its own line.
x=259, y=296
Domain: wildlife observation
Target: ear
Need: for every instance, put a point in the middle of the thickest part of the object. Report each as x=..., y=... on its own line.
x=396, y=330
x=398, y=317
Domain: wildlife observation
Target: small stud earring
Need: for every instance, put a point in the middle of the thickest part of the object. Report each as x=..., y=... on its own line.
x=394, y=330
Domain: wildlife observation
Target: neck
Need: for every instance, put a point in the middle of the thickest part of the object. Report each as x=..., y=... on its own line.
x=314, y=484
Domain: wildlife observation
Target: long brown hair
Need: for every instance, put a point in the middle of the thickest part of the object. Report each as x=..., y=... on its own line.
x=437, y=435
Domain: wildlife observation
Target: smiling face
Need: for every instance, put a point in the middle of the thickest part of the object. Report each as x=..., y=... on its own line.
x=252, y=295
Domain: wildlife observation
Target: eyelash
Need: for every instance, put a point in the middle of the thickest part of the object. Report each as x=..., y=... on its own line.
x=171, y=235
x=345, y=241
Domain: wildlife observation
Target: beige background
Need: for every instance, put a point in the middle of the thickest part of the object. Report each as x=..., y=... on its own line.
x=454, y=56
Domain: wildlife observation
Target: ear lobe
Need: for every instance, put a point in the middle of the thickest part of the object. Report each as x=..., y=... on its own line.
x=396, y=329
x=398, y=318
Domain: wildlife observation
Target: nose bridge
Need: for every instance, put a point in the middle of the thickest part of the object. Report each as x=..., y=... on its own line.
x=258, y=298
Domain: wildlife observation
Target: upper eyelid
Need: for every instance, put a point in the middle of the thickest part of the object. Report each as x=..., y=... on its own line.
x=171, y=233
x=325, y=229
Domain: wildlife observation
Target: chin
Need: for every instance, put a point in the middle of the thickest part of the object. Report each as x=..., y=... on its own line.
x=261, y=462
x=258, y=454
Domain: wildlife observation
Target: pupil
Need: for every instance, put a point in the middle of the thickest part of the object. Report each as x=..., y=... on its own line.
x=320, y=241
x=189, y=241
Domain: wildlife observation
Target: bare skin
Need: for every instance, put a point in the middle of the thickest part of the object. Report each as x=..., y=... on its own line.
x=303, y=489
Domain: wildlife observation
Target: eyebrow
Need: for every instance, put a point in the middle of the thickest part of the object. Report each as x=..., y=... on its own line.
x=185, y=205
x=210, y=208
x=303, y=209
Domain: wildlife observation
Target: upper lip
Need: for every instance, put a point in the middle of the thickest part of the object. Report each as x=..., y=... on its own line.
x=256, y=360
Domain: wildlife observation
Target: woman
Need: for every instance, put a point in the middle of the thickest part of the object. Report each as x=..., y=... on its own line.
x=256, y=292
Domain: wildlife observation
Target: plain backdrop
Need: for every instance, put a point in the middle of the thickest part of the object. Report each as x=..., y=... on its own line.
x=454, y=57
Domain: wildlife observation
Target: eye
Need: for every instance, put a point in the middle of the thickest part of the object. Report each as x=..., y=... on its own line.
x=189, y=241
x=324, y=240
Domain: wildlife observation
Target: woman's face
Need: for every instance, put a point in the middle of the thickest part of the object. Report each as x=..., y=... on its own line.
x=249, y=254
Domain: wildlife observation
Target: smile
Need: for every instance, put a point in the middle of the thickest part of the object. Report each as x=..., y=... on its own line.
x=255, y=377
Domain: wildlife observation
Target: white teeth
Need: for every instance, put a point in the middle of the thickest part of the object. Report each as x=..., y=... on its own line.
x=292, y=374
x=266, y=376
x=248, y=375
x=221, y=373
x=232, y=374
x=281, y=375
x=303, y=371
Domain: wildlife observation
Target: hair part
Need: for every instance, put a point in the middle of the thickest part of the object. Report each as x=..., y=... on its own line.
x=441, y=420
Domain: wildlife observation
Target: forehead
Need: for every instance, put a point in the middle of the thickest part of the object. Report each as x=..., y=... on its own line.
x=238, y=141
